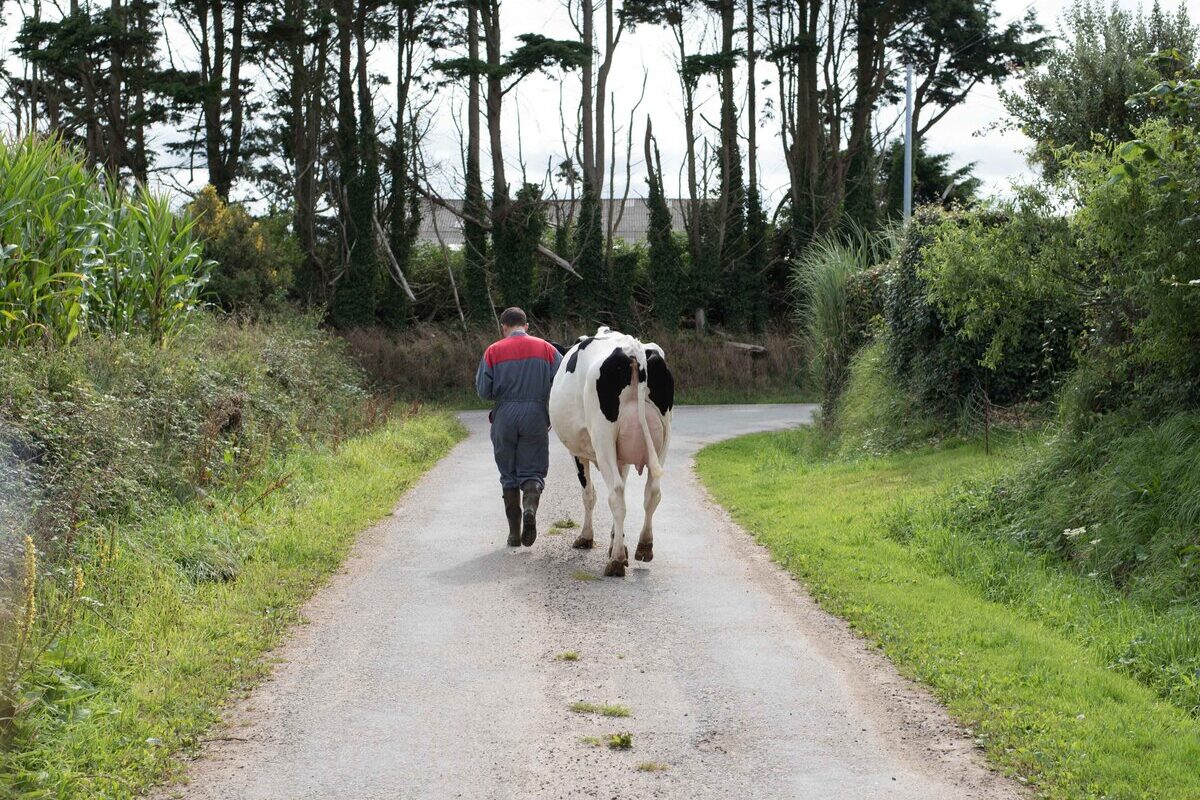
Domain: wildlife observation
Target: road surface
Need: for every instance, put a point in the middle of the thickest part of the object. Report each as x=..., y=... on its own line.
x=428, y=668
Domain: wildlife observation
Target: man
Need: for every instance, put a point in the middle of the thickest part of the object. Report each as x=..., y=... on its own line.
x=516, y=373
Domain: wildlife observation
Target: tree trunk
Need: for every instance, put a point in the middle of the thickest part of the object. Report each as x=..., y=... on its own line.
x=474, y=236
x=587, y=108
x=495, y=97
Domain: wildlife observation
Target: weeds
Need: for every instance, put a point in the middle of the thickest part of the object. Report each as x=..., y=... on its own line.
x=584, y=575
x=567, y=655
x=619, y=741
x=605, y=710
x=651, y=766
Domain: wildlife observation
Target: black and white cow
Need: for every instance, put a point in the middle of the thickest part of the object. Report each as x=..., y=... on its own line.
x=611, y=406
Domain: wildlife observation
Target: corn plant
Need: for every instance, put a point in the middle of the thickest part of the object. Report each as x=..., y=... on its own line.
x=79, y=255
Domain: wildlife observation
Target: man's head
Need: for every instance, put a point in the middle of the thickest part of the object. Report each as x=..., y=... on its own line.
x=513, y=319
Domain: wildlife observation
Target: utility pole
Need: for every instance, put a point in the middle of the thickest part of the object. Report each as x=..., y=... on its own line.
x=908, y=144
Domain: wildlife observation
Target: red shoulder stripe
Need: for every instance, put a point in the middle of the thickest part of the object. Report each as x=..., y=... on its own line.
x=516, y=348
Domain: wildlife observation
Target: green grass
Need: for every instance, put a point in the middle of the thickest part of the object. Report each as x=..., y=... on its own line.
x=1012, y=646
x=584, y=575
x=568, y=655
x=146, y=672
x=652, y=766
x=605, y=709
x=619, y=741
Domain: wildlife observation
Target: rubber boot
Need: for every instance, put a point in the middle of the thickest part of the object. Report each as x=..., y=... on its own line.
x=512, y=510
x=529, y=504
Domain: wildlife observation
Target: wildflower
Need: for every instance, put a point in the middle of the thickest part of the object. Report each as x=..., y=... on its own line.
x=30, y=586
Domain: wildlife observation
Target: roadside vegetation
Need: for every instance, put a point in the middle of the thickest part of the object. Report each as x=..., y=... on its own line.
x=174, y=482
x=1001, y=491
x=1032, y=658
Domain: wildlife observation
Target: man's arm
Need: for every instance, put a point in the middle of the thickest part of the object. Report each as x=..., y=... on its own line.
x=483, y=380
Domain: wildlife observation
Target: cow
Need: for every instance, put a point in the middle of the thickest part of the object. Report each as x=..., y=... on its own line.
x=610, y=405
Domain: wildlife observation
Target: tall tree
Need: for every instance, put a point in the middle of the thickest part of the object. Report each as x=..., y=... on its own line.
x=756, y=222
x=356, y=287
x=1081, y=91
x=665, y=261
x=94, y=79
x=414, y=20
x=219, y=89
x=474, y=235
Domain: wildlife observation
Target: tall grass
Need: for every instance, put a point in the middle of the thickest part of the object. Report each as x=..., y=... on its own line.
x=77, y=255
x=830, y=322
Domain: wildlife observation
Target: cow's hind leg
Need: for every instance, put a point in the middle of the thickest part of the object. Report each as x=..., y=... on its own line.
x=606, y=460
x=585, y=539
x=645, y=548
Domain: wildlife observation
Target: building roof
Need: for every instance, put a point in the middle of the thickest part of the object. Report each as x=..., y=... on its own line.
x=633, y=222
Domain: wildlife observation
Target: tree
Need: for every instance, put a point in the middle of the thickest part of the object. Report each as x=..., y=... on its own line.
x=95, y=80
x=666, y=260
x=356, y=288
x=675, y=14
x=1078, y=98
x=756, y=221
x=737, y=301
x=294, y=37
x=934, y=182
x=955, y=45
x=219, y=89
x=415, y=23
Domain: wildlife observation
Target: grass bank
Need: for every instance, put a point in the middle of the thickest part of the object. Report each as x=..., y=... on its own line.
x=175, y=612
x=1019, y=649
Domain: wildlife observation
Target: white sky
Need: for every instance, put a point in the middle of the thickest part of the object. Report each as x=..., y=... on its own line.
x=971, y=132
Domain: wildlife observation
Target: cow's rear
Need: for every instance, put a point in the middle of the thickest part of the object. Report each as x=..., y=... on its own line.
x=611, y=406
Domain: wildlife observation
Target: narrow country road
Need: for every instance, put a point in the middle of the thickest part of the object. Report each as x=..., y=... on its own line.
x=428, y=667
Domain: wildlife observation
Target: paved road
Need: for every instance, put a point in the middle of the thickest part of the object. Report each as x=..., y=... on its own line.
x=428, y=667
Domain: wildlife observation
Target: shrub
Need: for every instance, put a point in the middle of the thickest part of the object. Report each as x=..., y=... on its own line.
x=1136, y=234
x=967, y=310
x=438, y=362
x=256, y=259
x=79, y=256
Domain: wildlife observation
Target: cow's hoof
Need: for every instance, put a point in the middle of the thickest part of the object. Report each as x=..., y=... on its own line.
x=615, y=569
x=644, y=552
x=583, y=544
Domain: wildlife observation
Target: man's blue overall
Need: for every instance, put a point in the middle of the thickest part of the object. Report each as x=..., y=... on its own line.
x=516, y=373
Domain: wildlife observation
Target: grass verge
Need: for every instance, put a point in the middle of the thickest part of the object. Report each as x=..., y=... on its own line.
x=145, y=671
x=954, y=611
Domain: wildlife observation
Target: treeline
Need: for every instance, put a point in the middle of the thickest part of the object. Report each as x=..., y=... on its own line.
x=285, y=101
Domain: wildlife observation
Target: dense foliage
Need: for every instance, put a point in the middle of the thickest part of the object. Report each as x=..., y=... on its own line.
x=255, y=258
x=79, y=256
x=1078, y=98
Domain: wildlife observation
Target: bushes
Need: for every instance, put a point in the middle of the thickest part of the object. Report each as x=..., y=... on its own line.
x=78, y=256
x=1137, y=237
x=983, y=301
x=256, y=259
x=114, y=427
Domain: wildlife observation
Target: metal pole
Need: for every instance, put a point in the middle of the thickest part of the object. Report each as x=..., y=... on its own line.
x=908, y=145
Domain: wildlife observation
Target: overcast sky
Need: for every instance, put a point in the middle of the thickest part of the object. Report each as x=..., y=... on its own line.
x=534, y=134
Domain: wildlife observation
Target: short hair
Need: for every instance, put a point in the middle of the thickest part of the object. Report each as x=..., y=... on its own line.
x=513, y=318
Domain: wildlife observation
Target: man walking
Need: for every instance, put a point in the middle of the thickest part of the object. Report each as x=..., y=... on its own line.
x=516, y=373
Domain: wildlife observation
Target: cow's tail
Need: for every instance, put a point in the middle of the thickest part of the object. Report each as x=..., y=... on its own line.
x=643, y=397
